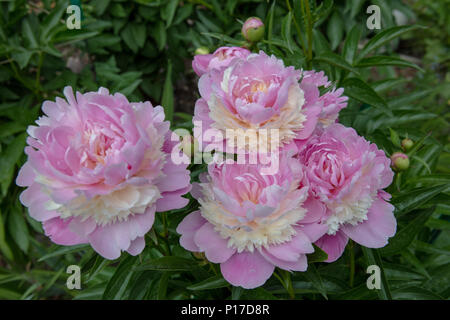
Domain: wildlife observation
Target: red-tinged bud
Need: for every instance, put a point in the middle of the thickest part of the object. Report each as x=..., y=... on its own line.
x=253, y=29
x=399, y=161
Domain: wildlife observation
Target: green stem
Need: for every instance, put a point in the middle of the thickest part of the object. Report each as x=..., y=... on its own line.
x=352, y=264
x=19, y=78
x=38, y=72
x=306, y=8
x=300, y=36
x=166, y=233
x=287, y=284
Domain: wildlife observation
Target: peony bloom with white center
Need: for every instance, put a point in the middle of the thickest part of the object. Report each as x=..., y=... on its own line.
x=346, y=175
x=256, y=96
x=98, y=168
x=251, y=223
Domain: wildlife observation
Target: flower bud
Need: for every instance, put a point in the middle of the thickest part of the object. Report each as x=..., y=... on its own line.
x=253, y=29
x=407, y=144
x=201, y=50
x=399, y=161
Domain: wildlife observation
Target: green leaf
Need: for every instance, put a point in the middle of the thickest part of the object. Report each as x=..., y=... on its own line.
x=224, y=38
x=71, y=36
x=406, y=235
x=416, y=197
x=4, y=247
x=9, y=295
x=168, y=12
x=9, y=128
x=168, y=263
x=159, y=34
x=384, y=37
x=18, y=229
x=99, y=264
x=429, y=248
x=52, y=20
x=29, y=33
x=359, y=90
x=314, y=277
x=335, y=60
x=118, y=283
x=128, y=36
x=395, y=138
x=351, y=44
x=430, y=180
x=415, y=293
x=214, y=282
x=373, y=258
x=318, y=255
x=335, y=29
x=63, y=250
x=236, y=293
x=286, y=30
x=270, y=24
x=143, y=284
x=167, y=100
x=257, y=294
x=387, y=84
x=378, y=61
x=162, y=286
x=438, y=224
x=22, y=56
x=8, y=160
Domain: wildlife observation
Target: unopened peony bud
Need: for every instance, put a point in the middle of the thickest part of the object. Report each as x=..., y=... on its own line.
x=253, y=29
x=407, y=144
x=201, y=50
x=400, y=161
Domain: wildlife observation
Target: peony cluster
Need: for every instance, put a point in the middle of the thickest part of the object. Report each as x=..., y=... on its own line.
x=99, y=167
x=328, y=187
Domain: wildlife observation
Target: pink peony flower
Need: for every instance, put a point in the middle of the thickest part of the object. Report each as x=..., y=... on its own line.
x=98, y=168
x=346, y=174
x=250, y=222
x=330, y=102
x=221, y=58
x=254, y=94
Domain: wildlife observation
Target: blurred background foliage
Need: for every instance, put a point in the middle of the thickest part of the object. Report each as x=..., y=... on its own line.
x=397, y=79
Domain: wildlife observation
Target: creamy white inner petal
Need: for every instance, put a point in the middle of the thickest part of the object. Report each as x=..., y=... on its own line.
x=115, y=206
x=352, y=212
x=290, y=119
x=248, y=234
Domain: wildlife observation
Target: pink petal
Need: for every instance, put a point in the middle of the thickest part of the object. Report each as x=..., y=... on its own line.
x=214, y=246
x=379, y=226
x=300, y=264
x=333, y=245
x=26, y=176
x=247, y=269
x=291, y=250
x=187, y=228
x=313, y=230
x=59, y=232
x=136, y=246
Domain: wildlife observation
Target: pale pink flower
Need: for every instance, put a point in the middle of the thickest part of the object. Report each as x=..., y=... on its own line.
x=346, y=174
x=221, y=58
x=251, y=223
x=331, y=102
x=98, y=168
x=255, y=94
